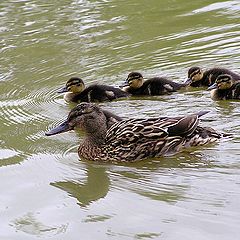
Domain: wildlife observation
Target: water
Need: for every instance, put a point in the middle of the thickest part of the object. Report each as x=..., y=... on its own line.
x=47, y=192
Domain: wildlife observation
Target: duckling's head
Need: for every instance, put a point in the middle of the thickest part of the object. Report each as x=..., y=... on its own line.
x=134, y=80
x=223, y=82
x=86, y=116
x=194, y=74
x=74, y=85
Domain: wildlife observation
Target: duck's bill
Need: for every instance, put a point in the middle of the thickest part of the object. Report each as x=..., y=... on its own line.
x=188, y=81
x=214, y=86
x=64, y=127
x=125, y=84
x=62, y=90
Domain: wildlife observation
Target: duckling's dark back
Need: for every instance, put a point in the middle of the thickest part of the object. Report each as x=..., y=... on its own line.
x=99, y=93
x=158, y=86
x=210, y=76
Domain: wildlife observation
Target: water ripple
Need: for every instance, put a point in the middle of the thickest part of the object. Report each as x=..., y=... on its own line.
x=231, y=7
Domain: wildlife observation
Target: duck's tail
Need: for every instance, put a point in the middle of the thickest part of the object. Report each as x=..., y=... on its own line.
x=201, y=113
x=204, y=135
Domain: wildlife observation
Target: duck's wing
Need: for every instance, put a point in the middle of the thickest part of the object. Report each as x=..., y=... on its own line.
x=115, y=91
x=134, y=130
x=106, y=92
x=135, y=139
x=153, y=128
x=185, y=126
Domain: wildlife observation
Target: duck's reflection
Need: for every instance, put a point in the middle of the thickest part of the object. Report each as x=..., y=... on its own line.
x=146, y=178
x=96, y=185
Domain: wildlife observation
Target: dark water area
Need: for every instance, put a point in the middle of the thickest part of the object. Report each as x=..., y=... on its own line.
x=47, y=192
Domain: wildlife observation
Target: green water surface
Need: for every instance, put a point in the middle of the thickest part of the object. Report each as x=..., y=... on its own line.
x=47, y=192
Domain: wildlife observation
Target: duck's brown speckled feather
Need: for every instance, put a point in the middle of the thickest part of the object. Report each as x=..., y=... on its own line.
x=134, y=139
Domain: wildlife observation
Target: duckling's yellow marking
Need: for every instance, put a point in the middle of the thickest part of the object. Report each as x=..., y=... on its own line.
x=76, y=88
x=136, y=83
x=197, y=75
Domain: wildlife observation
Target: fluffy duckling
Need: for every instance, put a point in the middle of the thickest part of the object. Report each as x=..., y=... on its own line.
x=133, y=139
x=136, y=85
x=225, y=88
x=76, y=92
x=198, y=78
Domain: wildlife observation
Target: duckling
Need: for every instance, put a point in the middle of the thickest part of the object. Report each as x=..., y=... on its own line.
x=76, y=92
x=198, y=78
x=136, y=85
x=133, y=139
x=225, y=88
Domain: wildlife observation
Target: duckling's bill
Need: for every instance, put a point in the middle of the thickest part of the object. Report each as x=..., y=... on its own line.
x=64, y=127
x=188, y=81
x=124, y=84
x=62, y=90
x=213, y=86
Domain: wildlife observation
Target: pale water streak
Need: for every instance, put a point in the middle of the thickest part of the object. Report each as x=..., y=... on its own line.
x=47, y=192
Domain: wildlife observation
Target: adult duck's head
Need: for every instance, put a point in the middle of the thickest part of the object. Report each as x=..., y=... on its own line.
x=134, y=80
x=194, y=74
x=73, y=85
x=86, y=116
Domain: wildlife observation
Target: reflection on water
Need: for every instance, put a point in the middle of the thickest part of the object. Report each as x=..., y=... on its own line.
x=138, y=178
x=96, y=186
x=45, y=189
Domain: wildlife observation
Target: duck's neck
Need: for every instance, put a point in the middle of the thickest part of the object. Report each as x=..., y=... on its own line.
x=91, y=148
x=69, y=96
x=97, y=139
x=94, y=140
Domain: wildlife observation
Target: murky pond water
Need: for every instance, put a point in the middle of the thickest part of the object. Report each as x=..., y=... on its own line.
x=47, y=192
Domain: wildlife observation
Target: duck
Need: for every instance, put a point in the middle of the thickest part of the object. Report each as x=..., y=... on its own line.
x=135, y=85
x=75, y=91
x=199, y=78
x=225, y=88
x=129, y=140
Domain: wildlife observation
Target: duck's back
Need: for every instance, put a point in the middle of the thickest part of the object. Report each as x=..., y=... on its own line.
x=99, y=93
x=157, y=86
x=210, y=76
x=136, y=139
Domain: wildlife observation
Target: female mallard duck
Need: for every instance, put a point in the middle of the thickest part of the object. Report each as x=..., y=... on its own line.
x=198, y=78
x=76, y=92
x=135, y=85
x=133, y=139
x=225, y=88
